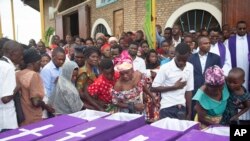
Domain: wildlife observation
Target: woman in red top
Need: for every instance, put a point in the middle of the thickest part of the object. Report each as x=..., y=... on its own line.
x=100, y=90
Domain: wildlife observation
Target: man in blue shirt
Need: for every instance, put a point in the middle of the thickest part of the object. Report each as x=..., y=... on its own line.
x=52, y=70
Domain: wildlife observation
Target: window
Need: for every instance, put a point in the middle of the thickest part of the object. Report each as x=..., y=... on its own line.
x=196, y=20
x=101, y=28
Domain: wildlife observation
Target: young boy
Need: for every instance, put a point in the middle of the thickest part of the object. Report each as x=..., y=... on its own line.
x=238, y=95
x=115, y=51
x=100, y=89
x=163, y=51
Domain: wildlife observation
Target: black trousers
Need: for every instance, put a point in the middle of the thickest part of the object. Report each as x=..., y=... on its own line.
x=177, y=111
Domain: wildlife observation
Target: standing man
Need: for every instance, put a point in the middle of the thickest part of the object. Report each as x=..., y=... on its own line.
x=239, y=47
x=52, y=70
x=12, y=55
x=202, y=60
x=175, y=81
x=218, y=48
x=176, y=34
x=138, y=62
x=167, y=35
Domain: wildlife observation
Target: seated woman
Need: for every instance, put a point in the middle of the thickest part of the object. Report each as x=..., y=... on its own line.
x=65, y=98
x=127, y=94
x=211, y=98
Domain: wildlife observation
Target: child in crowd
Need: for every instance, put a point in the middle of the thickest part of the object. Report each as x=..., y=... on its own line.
x=163, y=51
x=165, y=45
x=45, y=60
x=152, y=61
x=152, y=66
x=115, y=51
x=105, y=51
x=89, y=42
x=171, y=52
x=144, y=49
x=238, y=95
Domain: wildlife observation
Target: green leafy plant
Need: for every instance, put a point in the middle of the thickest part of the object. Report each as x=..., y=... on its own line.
x=48, y=33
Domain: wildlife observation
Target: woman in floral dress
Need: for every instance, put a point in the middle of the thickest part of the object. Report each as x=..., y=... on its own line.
x=127, y=94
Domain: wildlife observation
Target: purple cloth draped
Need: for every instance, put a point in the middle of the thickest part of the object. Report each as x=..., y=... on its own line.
x=222, y=51
x=232, y=49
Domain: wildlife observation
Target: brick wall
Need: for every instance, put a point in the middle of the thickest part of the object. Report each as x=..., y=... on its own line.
x=106, y=12
x=134, y=11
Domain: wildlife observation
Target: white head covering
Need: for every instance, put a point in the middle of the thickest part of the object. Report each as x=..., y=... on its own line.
x=98, y=35
x=112, y=39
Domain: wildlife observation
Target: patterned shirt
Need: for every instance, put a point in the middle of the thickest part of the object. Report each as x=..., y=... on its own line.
x=102, y=88
x=134, y=95
x=85, y=78
x=233, y=103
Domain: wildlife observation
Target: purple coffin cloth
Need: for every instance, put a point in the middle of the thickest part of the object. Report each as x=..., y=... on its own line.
x=42, y=129
x=182, y=126
x=196, y=135
x=96, y=130
x=149, y=133
x=102, y=129
x=135, y=121
x=90, y=115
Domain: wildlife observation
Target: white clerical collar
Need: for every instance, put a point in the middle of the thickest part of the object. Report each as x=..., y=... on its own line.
x=242, y=37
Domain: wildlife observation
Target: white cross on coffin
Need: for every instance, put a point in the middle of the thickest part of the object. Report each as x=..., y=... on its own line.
x=139, y=138
x=77, y=134
x=25, y=132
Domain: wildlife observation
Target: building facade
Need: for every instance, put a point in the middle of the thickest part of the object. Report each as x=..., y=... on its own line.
x=87, y=17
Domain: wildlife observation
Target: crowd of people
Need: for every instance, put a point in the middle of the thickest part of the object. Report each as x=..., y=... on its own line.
x=199, y=75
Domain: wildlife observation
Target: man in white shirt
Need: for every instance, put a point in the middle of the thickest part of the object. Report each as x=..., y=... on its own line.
x=175, y=81
x=219, y=49
x=138, y=62
x=239, y=47
x=12, y=55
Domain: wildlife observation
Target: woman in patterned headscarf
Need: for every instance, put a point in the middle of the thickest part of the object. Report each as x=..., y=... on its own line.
x=211, y=98
x=127, y=94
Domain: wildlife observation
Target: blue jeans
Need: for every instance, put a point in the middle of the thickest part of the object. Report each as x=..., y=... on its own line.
x=177, y=111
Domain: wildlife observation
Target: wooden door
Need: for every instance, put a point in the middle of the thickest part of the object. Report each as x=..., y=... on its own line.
x=118, y=23
x=84, y=21
x=66, y=25
x=234, y=11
